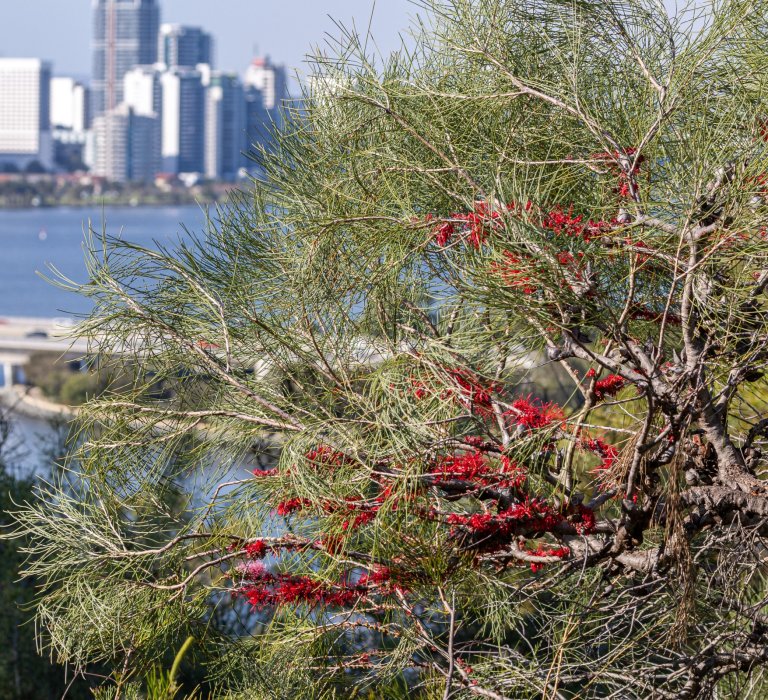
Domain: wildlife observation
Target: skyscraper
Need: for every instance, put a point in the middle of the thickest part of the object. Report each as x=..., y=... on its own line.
x=183, y=121
x=224, y=126
x=184, y=47
x=257, y=126
x=124, y=35
x=25, y=134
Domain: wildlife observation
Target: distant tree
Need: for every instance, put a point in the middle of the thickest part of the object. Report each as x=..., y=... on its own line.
x=533, y=185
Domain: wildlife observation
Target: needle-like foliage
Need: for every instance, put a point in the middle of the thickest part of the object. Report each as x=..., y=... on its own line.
x=352, y=479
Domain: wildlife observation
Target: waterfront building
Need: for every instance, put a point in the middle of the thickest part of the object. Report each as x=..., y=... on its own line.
x=270, y=79
x=184, y=47
x=125, y=34
x=224, y=126
x=25, y=134
x=126, y=145
x=183, y=121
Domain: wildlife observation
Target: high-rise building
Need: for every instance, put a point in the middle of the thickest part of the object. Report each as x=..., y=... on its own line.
x=25, y=135
x=257, y=124
x=224, y=126
x=184, y=47
x=124, y=35
x=142, y=93
x=125, y=145
x=183, y=115
x=69, y=104
x=270, y=79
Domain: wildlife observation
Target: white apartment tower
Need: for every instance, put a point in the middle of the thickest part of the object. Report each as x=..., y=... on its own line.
x=142, y=90
x=25, y=134
x=270, y=79
x=69, y=105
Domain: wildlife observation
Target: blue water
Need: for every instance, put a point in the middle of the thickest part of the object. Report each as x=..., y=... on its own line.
x=33, y=239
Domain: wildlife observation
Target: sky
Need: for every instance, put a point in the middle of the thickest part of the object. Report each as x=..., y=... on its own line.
x=60, y=30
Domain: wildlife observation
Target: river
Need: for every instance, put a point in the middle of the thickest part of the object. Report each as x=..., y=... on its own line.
x=34, y=240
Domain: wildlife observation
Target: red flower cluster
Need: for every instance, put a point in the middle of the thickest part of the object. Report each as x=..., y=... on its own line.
x=292, y=505
x=475, y=225
x=256, y=549
x=515, y=272
x=263, y=473
x=610, y=386
x=363, y=518
x=533, y=515
x=586, y=519
x=472, y=392
x=326, y=456
x=626, y=179
x=541, y=551
x=533, y=414
x=262, y=588
x=474, y=467
x=380, y=575
x=607, y=453
x=265, y=589
x=564, y=223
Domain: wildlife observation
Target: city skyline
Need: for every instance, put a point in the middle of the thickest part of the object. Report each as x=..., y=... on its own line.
x=285, y=31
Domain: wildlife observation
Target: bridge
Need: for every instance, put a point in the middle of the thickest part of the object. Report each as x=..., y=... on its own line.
x=20, y=338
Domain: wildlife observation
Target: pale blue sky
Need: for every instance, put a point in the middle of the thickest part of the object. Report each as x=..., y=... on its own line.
x=60, y=30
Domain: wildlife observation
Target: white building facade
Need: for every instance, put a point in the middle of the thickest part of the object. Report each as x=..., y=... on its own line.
x=69, y=104
x=25, y=133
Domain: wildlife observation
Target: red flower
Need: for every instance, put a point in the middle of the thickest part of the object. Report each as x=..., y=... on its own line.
x=610, y=386
x=608, y=453
x=515, y=272
x=292, y=505
x=559, y=552
x=443, y=234
x=534, y=414
x=256, y=549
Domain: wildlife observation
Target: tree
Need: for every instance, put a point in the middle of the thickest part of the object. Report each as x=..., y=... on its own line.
x=24, y=675
x=533, y=187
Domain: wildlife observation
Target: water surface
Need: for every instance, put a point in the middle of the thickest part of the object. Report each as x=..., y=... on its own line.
x=33, y=239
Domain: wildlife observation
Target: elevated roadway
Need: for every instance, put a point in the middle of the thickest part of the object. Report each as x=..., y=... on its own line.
x=21, y=337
